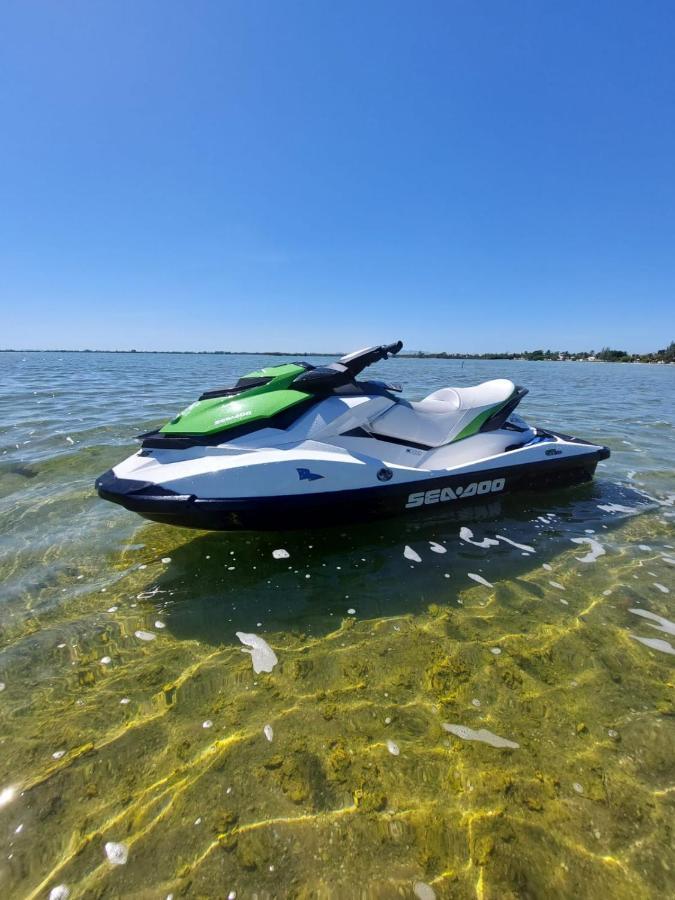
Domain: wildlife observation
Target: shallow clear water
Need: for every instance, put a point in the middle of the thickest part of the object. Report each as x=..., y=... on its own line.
x=102, y=735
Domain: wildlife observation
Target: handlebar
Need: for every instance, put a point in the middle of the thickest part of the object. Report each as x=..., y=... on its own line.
x=356, y=362
x=324, y=379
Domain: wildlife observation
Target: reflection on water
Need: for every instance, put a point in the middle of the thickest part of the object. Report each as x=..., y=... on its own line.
x=421, y=730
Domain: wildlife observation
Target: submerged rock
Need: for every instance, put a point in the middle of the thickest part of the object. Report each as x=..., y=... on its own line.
x=263, y=657
x=482, y=735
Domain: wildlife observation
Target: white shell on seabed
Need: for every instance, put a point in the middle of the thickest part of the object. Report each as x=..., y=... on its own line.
x=655, y=644
x=145, y=635
x=2, y=685
x=60, y=892
x=268, y=731
x=596, y=549
x=58, y=754
x=437, y=548
x=424, y=891
x=207, y=723
x=466, y=534
x=7, y=795
x=525, y=547
x=664, y=625
x=393, y=748
x=482, y=735
x=263, y=657
x=479, y=579
x=411, y=554
x=117, y=853
x=280, y=553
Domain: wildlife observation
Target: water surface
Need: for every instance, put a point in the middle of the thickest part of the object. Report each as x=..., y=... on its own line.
x=565, y=652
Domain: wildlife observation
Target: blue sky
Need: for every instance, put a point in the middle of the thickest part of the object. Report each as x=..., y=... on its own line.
x=466, y=176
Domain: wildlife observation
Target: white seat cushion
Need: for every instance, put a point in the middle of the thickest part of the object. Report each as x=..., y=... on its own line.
x=443, y=415
x=489, y=393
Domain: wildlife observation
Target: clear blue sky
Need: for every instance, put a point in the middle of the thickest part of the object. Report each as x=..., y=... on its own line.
x=467, y=176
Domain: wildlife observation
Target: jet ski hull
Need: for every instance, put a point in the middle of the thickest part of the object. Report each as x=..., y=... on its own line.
x=431, y=493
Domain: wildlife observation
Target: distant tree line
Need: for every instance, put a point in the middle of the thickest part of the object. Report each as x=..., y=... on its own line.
x=607, y=354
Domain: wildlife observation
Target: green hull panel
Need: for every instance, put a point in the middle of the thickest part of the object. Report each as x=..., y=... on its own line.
x=250, y=405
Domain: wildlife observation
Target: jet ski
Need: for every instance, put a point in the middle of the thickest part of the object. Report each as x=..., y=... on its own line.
x=297, y=445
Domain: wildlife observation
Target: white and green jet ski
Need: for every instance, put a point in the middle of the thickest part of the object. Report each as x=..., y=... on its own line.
x=294, y=445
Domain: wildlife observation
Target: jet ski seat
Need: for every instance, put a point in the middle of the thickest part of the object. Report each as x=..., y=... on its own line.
x=445, y=415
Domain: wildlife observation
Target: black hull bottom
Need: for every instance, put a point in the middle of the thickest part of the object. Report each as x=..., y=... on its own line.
x=291, y=512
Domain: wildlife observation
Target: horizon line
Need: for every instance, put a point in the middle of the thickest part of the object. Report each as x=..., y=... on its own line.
x=432, y=354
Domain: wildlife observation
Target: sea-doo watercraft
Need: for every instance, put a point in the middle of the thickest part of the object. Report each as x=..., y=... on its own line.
x=297, y=444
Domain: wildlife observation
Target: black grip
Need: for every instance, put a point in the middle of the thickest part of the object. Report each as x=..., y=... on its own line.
x=355, y=363
x=392, y=349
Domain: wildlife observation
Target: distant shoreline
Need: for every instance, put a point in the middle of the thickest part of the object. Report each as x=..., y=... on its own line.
x=661, y=357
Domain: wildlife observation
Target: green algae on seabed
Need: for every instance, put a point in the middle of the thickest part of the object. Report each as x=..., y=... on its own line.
x=583, y=807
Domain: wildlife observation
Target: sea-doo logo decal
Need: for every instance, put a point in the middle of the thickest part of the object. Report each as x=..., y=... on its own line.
x=442, y=495
x=553, y=452
x=306, y=475
x=233, y=417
